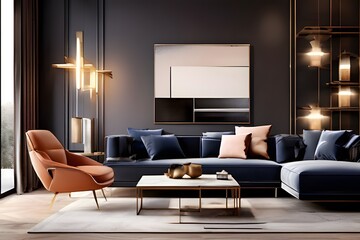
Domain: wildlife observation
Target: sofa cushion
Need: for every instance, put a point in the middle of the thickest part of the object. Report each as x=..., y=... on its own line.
x=289, y=148
x=330, y=145
x=353, y=140
x=258, y=147
x=190, y=145
x=118, y=147
x=311, y=139
x=210, y=147
x=162, y=147
x=234, y=146
x=137, y=146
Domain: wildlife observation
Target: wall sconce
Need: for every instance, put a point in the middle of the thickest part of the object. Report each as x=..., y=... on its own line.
x=82, y=129
x=344, y=67
x=344, y=76
x=315, y=117
x=344, y=96
x=315, y=54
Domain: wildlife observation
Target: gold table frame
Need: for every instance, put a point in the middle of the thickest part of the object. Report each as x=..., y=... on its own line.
x=234, y=191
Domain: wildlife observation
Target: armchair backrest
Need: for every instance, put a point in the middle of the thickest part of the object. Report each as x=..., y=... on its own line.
x=45, y=141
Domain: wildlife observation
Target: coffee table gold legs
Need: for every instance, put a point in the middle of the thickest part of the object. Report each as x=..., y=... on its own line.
x=226, y=198
x=179, y=210
x=235, y=194
x=200, y=199
x=234, y=191
x=139, y=194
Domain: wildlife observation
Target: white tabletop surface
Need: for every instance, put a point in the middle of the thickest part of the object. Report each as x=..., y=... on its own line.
x=205, y=180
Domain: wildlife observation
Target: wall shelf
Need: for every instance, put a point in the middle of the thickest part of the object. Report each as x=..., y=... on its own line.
x=202, y=110
x=221, y=110
x=327, y=70
x=328, y=31
x=343, y=83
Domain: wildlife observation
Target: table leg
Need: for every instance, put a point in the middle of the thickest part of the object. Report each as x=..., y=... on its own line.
x=137, y=201
x=139, y=194
x=239, y=196
x=234, y=196
x=226, y=197
x=200, y=199
x=179, y=210
x=141, y=198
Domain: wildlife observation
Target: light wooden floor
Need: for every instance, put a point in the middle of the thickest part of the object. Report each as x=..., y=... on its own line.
x=18, y=213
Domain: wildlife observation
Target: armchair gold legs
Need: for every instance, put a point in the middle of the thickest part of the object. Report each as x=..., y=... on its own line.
x=94, y=194
x=103, y=193
x=102, y=190
x=97, y=204
x=53, y=200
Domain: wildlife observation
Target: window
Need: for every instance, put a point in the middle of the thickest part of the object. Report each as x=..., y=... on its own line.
x=7, y=97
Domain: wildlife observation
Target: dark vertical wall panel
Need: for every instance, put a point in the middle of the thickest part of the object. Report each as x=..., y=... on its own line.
x=51, y=82
x=82, y=17
x=132, y=27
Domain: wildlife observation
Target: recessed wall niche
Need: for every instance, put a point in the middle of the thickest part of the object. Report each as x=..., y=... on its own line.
x=327, y=79
x=202, y=83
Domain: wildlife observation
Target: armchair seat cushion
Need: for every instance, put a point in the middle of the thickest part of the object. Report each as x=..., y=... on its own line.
x=99, y=173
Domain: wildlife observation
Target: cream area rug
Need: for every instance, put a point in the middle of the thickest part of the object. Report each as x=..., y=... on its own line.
x=118, y=215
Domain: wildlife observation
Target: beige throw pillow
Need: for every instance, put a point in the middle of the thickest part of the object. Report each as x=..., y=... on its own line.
x=234, y=146
x=258, y=146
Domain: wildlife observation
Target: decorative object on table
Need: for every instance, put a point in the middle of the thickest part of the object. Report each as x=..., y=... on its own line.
x=193, y=170
x=223, y=175
x=175, y=171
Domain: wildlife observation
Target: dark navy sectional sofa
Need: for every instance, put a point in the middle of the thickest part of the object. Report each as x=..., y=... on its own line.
x=304, y=179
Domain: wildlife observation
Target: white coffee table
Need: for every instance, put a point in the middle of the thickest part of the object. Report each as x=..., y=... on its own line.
x=205, y=182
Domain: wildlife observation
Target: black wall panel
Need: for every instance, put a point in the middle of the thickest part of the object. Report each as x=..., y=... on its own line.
x=51, y=82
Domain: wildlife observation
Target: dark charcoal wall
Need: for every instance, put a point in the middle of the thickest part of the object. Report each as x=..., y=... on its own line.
x=132, y=27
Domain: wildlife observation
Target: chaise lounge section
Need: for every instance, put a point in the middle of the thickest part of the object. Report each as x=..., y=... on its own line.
x=322, y=180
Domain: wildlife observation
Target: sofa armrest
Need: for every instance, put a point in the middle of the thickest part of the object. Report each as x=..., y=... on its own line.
x=118, y=147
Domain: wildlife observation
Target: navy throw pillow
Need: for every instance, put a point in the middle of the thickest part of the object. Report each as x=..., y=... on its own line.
x=311, y=139
x=162, y=147
x=210, y=147
x=354, y=139
x=331, y=145
x=351, y=149
x=137, y=146
x=289, y=148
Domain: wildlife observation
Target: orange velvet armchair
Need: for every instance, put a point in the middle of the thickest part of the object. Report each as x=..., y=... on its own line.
x=63, y=172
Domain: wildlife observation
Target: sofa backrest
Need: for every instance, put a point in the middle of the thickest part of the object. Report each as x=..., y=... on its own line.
x=190, y=145
x=118, y=147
